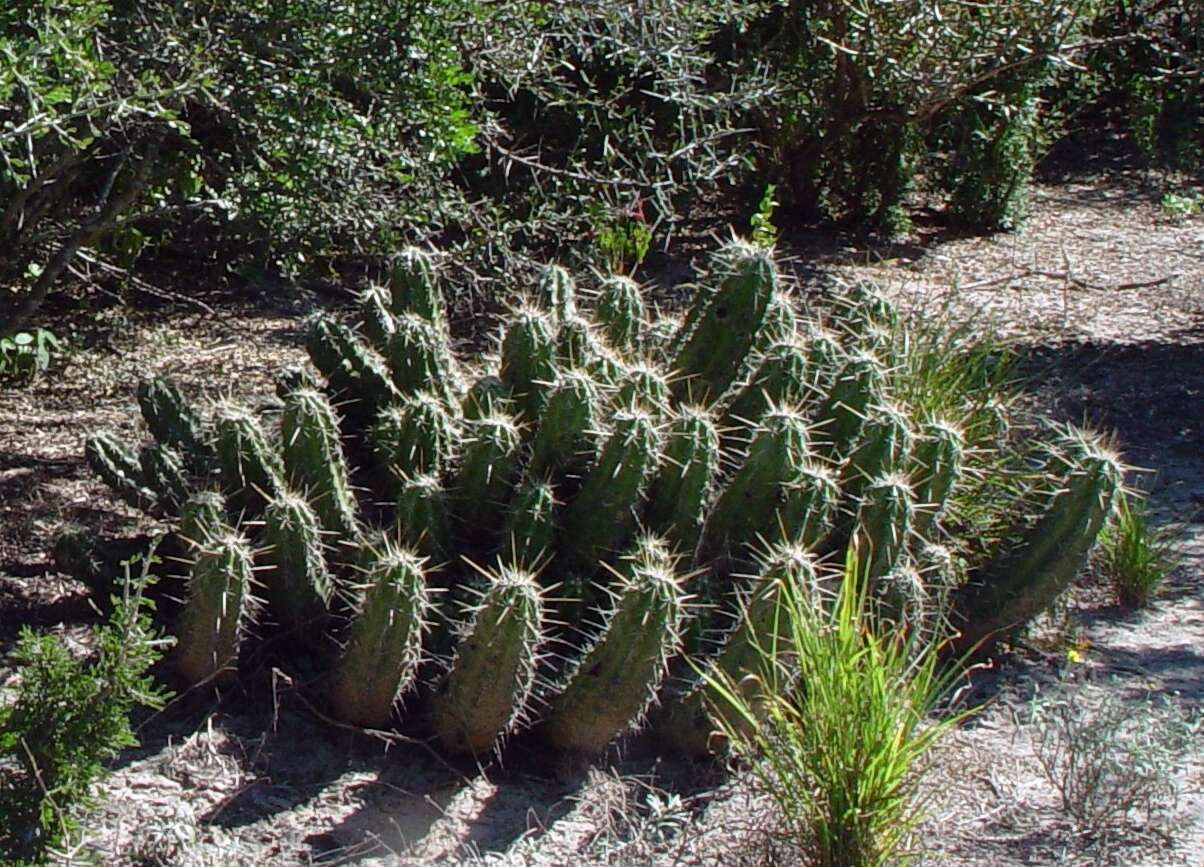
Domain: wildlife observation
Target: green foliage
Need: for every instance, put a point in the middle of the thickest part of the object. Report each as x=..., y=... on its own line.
x=1133, y=556
x=69, y=717
x=835, y=724
x=1181, y=207
x=762, y=230
x=26, y=354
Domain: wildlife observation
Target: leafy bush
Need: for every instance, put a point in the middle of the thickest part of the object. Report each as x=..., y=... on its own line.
x=24, y=355
x=1107, y=758
x=860, y=86
x=68, y=718
x=836, y=725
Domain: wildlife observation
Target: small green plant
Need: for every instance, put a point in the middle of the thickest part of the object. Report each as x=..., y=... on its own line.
x=68, y=718
x=836, y=723
x=1110, y=758
x=27, y=353
x=623, y=237
x=764, y=232
x=1176, y=207
x=1132, y=555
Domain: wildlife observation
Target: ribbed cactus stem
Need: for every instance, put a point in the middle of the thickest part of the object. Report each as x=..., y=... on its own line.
x=215, y=616
x=173, y=421
x=415, y=436
x=621, y=315
x=420, y=359
x=810, y=502
x=937, y=461
x=488, y=688
x=252, y=472
x=780, y=378
x=424, y=517
x=603, y=514
x=711, y=357
x=843, y=411
x=488, y=469
x=780, y=324
x=528, y=364
x=762, y=626
x=202, y=519
x=619, y=675
x=884, y=446
x=683, y=486
x=576, y=344
x=643, y=387
x=1026, y=579
x=414, y=287
x=884, y=525
x=530, y=529
x=567, y=436
x=385, y=642
x=118, y=467
x=164, y=472
x=357, y=375
x=375, y=317
x=749, y=504
x=297, y=582
x=314, y=463
x=486, y=396
x=556, y=293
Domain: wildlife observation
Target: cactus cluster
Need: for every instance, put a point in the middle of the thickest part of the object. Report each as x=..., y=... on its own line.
x=634, y=491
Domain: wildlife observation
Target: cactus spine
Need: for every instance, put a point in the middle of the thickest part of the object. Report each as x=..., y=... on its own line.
x=487, y=473
x=937, y=465
x=385, y=643
x=621, y=315
x=530, y=529
x=487, y=690
x=682, y=488
x=421, y=360
x=566, y=438
x=528, y=363
x=414, y=287
x=423, y=517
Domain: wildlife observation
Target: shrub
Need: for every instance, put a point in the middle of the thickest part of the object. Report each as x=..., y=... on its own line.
x=836, y=724
x=1108, y=758
x=68, y=718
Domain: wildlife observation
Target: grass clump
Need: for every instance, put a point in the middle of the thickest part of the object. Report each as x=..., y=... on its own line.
x=68, y=718
x=1134, y=557
x=836, y=723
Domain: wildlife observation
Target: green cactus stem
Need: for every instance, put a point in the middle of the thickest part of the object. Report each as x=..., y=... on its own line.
x=424, y=517
x=884, y=447
x=414, y=287
x=314, y=463
x=567, y=437
x=618, y=677
x=621, y=315
x=294, y=377
x=252, y=472
x=415, y=436
x=217, y=611
x=384, y=646
x=885, y=522
x=780, y=378
x=488, y=470
x=714, y=353
x=576, y=344
x=376, y=317
x=603, y=514
x=164, y=472
x=357, y=375
x=643, y=387
x=420, y=359
x=487, y=691
x=487, y=395
x=750, y=502
x=780, y=324
x=118, y=468
x=810, y=502
x=556, y=293
x=297, y=582
x=530, y=530
x=528, y=364
x=839, y=419
x=1026, y=579
x=173, y=422
x=937, y=461
x=683, y=486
